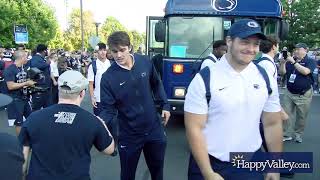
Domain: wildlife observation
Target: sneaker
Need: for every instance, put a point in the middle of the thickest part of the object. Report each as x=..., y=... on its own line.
x=298, y=138
x=287, y=138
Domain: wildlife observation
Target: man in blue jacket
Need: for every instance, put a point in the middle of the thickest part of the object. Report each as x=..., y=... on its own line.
x=131, y=86
x=40, y=99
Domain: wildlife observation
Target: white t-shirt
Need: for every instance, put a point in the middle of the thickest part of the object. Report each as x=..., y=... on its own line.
x=54, y=69
x=209, y=62
x=101, y=68
x=235, y=108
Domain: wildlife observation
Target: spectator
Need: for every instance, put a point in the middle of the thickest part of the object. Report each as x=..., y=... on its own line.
x=297, y=98
x=62, y=135
x=40, y=99
x=17, y=83
x=53, y=58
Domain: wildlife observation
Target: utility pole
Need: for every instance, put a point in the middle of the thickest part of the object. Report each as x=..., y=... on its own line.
x=97, y=28
x=81, y=22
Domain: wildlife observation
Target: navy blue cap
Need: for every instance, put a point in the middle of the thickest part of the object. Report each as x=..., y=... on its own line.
x=245, y=28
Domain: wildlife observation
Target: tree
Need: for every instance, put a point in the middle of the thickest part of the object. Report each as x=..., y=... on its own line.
x=38, y=16
x=73, y=33
x=304, y=21
x=109, y=26
x=137, y=39
x=58, y=41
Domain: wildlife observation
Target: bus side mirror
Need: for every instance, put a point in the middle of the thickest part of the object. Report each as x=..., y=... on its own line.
x=160, y=31
x=284, y=30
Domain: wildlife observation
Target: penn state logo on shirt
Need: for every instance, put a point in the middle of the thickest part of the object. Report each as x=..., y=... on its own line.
x=143, y=74
x=224, y=5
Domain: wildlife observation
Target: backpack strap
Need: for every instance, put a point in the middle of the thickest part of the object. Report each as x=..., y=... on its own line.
x=94, y=68
x=265, y=77
x=211, y=58
x=205, y=74
x=266, y=59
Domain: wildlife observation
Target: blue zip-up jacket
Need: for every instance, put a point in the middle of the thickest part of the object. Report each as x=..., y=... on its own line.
x=39, y=62
x=133, y=93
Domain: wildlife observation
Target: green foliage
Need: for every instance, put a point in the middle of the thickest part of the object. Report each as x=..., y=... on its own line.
x=73, y=33
x=137, y=39
x=304, y=21
x=111, y=25
x=38, y=16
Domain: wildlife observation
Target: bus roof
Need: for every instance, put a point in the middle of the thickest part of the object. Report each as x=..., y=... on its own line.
x=265, y=8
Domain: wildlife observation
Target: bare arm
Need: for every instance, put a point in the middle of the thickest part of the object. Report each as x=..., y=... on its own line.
x=282, y=69
x=303, y=70
x=272, y=125
x=26, y=154
x=14, y=86
x=194, y=123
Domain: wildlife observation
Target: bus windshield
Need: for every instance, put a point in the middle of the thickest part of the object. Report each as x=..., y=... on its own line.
x=189, y=37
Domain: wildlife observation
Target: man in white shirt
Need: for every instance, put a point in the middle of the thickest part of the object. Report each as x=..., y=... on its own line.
x=219, y=48
x=230, y=122
x=54, y=76
x=269, y=49
x=102, y=64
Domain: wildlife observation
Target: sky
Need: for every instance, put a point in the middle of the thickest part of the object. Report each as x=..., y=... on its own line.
x=131, y=13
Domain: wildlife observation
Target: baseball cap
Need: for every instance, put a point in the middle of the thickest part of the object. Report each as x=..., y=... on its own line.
x=301, y=45
x=72, y=82
x=4, y=100
x=245, y=28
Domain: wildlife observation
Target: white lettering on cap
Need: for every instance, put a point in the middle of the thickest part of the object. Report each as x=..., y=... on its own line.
x=253, y=24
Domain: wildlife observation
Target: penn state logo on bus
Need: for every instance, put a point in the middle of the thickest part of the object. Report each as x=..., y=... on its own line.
x=224, y=5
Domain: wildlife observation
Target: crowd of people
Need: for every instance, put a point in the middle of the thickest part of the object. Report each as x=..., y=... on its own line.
x=125, y=89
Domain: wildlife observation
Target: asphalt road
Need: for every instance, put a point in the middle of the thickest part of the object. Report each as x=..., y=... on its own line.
x=176, y=162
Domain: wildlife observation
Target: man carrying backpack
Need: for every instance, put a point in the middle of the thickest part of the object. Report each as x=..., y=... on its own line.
x=222, y=115
x=95, y=71
x=219, y=48
x=269, y=49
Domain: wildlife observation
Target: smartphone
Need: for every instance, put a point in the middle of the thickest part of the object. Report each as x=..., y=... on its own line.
x=285, y=54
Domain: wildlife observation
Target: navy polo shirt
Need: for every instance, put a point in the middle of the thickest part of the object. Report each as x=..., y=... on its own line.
x=302, y=82
x=133, y=93
x=61, y=137
x=17, y=75
x=39, y=62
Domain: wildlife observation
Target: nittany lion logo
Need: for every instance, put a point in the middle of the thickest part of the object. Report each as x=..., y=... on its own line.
x=224, y=5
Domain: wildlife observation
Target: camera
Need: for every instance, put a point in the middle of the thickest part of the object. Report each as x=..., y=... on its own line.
x=37, y=75
x=285, y=54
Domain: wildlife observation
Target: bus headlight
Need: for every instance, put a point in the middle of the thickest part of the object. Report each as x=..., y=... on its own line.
x=179, y=92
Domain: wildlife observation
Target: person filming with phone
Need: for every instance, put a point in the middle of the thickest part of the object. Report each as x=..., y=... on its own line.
x=298, y=95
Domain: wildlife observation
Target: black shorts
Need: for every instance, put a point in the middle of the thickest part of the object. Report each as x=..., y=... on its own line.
x=18, y=109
